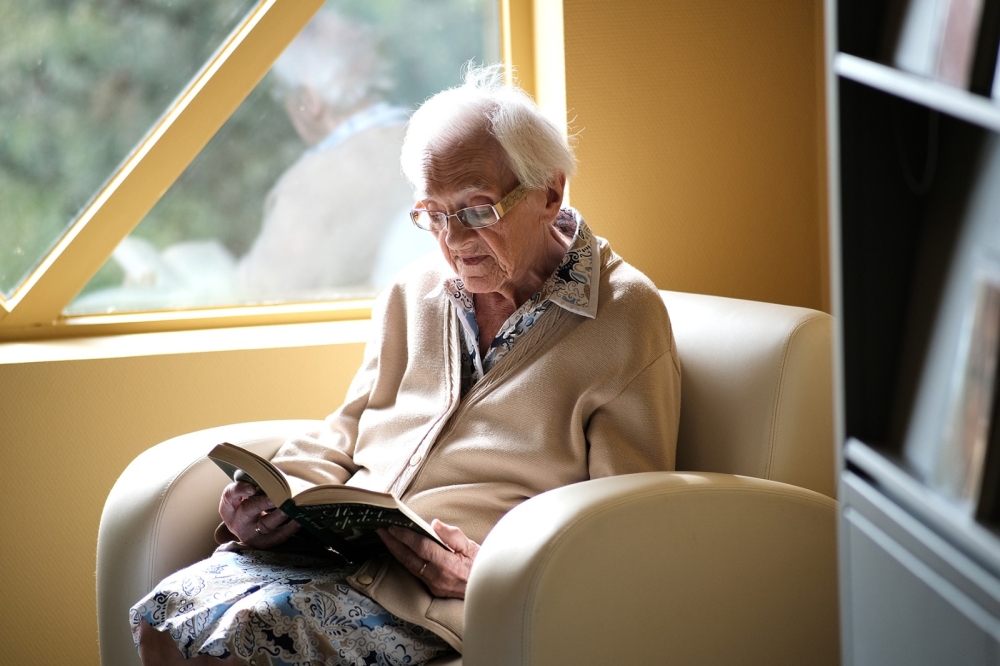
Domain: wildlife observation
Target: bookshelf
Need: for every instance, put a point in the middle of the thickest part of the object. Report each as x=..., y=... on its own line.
x=915, y=190
x=959, y=103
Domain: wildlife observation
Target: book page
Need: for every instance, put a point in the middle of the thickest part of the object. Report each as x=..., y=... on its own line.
x=329, y=494
x=267, y=477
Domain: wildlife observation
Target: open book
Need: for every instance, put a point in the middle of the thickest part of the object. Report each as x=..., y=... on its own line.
x=343, y=518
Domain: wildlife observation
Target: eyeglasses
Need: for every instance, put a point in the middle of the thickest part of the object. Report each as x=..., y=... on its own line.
x=474, y=217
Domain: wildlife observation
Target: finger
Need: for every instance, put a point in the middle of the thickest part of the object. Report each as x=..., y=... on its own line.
x=272, y=520
x=243, y=520
x=232, y=496
x=392, y=542
x=452, y=536
x=266, y=524
x=454, y=575
x=272, y=539
x=252, y=507
x=244, y=489
x=445, y=573
x=409, y=559
x=237, y=491
x=425, y=548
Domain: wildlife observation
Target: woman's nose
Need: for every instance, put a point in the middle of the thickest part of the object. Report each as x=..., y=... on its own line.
x=455, y=235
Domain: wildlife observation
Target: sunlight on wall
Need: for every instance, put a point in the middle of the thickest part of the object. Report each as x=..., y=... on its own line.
x=701, y=141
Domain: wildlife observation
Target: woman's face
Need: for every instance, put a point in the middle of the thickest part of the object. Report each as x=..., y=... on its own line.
x=507, y=257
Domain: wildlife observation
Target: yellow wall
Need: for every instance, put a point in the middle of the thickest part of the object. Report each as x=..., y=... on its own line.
x=700, y=130
x=700, y=134
x=67, y=430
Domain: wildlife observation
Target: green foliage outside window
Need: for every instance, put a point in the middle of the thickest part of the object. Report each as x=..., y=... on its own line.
x=81, y=81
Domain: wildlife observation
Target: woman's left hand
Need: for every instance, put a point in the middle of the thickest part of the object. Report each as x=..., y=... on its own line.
x=445, y=573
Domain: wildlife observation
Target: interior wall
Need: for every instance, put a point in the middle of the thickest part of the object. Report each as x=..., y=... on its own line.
x=700, y=129
x=700, y=158
x=68, y=429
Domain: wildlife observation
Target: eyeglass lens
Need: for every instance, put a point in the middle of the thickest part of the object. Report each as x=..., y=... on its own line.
x=471, y=218
x=478, y=216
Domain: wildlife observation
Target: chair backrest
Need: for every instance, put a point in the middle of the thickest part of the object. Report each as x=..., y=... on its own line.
x=756, y=389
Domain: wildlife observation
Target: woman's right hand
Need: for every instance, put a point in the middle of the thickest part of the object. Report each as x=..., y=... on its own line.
x=252, y=517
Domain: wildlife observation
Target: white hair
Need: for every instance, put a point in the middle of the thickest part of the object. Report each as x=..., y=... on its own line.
x=338, y=58
x=536, y=150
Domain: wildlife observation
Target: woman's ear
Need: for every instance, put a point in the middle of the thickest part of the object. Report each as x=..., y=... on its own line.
x=554, y=193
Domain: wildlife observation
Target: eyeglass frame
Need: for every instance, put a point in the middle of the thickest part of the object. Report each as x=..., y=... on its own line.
x=500, y=209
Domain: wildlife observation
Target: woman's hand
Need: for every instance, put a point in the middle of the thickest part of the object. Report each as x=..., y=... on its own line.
x=252, y=517
x=446, y=574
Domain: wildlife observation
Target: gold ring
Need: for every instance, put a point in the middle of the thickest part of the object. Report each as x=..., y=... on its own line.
x=421, y=572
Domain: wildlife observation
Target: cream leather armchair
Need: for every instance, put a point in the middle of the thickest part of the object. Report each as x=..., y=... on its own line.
x=732, y=562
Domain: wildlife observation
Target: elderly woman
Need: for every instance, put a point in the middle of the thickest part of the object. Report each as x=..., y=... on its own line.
x=532, y=357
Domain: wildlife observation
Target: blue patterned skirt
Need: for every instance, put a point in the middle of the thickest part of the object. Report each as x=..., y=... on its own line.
x=280, y=609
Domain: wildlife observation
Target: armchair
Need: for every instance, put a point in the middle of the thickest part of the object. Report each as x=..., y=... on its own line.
x=733, y=561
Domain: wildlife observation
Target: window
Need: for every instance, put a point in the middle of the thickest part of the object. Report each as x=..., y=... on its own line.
x=299, y=196
x=80, y=84
x=202, y=186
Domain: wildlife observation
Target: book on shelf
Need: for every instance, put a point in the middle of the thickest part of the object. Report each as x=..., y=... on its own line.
x=959, y=469
x=343, y=518
x=951, y=41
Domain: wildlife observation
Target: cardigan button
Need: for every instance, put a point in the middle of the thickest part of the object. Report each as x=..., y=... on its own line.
x=415, y=459
x=365, y=579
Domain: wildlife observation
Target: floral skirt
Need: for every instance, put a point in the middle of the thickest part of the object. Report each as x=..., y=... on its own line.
x=280, y=609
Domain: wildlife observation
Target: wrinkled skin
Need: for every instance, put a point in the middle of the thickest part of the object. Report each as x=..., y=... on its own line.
x=252, y=517
x=503, y=265
x=445, y=573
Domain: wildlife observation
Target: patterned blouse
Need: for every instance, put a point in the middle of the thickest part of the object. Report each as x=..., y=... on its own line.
x=573, y=286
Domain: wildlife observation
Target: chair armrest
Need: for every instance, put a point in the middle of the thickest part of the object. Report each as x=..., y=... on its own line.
x=160, y=517
x=689, y=568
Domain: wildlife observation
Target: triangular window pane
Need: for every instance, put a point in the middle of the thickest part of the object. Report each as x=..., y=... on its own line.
x=81, y=83
x=299, y=196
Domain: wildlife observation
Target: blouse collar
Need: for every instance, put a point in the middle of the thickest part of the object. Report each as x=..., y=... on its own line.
x=572, y=286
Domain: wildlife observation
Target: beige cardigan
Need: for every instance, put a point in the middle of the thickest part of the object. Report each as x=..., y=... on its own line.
x=576, y=398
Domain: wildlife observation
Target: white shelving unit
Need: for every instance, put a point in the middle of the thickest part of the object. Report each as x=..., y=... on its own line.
x=915, y=181
x=938, y=96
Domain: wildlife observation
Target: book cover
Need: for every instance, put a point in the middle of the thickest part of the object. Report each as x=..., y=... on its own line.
x=956, y=56
x=951, y=41
x=958, y=472
x=914, y=31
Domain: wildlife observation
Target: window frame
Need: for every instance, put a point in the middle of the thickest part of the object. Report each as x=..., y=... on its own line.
x=36, y=308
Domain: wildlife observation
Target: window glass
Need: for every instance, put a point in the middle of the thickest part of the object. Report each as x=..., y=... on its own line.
x=300, y=196
x=81, y=82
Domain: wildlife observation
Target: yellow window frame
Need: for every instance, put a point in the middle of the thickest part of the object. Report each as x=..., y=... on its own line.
x=531, y=38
